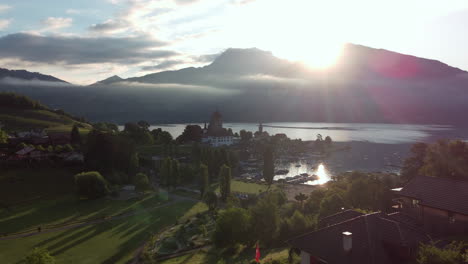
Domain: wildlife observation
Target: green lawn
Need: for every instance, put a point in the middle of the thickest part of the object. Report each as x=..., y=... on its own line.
x=110, y=242
x=212, y=256
x=66, y=210
x=24, y=119
x=25, y=184
x=247, y=187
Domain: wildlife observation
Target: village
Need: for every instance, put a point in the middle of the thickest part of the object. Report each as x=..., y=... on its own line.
x=219, y=190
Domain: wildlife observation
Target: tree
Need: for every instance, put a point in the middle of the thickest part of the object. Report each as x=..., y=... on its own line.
x=109, y=153
x=138, y=134
x=204, y=179
x=331, y=204
x=39, y=256
x=328, y=141
x=413, y=164
x=75, y=137
x=268, y=165
x=245, y=136
x=312, y=204
x=161, y=137
x=91, y=185
x=225, y=182
x=265, y=220
x=192, y=133
x=166, y=171
x=232, y=227
x=298, y=223
x=451, y=254
x=175, y=173
x=211, y=200
x=143, y=124
x=142, y=182
x=301, y=198
x=446, y=159
x=3, y=136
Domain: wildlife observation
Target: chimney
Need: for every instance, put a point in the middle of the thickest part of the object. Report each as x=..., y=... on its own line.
x=347, y=241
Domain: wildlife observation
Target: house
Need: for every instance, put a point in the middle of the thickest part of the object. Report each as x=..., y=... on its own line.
x=60, y=138
x=24, y=152
x=375, y=238
x=439, y=205
x=428, y=208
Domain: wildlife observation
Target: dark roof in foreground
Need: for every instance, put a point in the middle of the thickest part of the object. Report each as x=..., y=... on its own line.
x=442, y=193
x=372, y=234
x=339, y=217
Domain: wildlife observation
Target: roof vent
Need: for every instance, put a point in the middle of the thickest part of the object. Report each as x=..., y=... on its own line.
x=347, y=241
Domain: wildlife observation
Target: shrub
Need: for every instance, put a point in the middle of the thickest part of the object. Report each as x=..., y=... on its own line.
x=39, y=256
x=142, y=182
x=91, y=185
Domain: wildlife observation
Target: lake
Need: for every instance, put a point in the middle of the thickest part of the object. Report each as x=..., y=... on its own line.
x=373, y=147
x=341, y=132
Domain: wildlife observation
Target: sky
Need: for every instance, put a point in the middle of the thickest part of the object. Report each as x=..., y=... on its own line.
x=89, y=40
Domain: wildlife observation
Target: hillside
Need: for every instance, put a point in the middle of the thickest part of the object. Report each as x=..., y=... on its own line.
x=26, y=75
x=250, y=85
x=19, y=112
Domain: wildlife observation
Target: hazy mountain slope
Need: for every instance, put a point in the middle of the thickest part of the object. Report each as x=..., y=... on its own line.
x=26, y=75
x=365, y=85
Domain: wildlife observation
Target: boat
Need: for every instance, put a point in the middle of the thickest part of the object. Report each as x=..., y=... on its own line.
x=281, y=172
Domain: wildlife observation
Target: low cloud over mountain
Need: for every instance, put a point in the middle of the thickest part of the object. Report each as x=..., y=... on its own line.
x=365, y=85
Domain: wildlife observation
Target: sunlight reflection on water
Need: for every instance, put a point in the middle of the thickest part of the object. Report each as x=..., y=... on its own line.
x=322, y=174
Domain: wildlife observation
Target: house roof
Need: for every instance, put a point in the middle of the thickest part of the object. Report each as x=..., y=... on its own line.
x=371, y=235
x=442, y=193
x=25, y=150
x=339, y=217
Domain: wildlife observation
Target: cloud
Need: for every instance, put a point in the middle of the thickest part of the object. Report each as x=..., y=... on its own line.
x=4, y=8
x=56, y=23
x=207, y=57
x=174, y=87
x=82, y=50
x=242, y=2
x=110, y=26
x=73, y=11
x=4, y=23
x=33, y=82
x=163, y=65
x=185, y=2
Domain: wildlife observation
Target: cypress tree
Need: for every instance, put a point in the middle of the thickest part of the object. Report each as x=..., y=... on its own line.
x=225, y=182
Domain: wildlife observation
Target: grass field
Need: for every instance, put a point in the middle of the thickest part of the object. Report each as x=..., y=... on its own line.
x=213, y=256
x=15, y=119
x=109, y=242
x=66, y=210
x=25, y=184
x=247, y=187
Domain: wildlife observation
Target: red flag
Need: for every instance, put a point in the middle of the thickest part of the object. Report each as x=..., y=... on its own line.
x=257, y=254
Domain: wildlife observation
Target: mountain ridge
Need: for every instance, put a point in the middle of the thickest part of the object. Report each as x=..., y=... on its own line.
x=27, y=75
x=366, y=85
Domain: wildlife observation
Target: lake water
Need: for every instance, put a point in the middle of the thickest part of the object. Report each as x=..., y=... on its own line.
x=373, y=147
x=341, y=132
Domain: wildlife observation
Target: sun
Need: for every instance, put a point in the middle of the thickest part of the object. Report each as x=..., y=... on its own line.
x=316, y=55
x=321, y=57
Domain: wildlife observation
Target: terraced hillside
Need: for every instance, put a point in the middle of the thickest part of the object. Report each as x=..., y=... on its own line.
x=18, y=112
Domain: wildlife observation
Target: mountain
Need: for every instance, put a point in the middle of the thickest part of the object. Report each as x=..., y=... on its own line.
x=110, y=80
x=251, y=85
x=26, y=75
